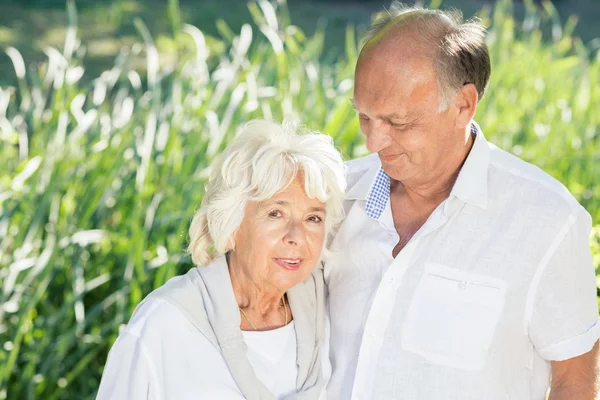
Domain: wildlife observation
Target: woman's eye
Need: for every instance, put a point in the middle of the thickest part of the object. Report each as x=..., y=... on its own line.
x=275, y=214
x=315, y=218
x=363, y=117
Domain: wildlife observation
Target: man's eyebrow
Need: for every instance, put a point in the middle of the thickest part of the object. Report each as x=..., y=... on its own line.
x=385, y=117
x=391, y=116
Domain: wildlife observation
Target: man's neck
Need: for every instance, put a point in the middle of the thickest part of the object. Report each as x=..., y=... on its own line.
x=430, y=192
x=413, y=202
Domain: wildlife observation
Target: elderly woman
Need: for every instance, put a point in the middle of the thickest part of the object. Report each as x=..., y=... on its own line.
x=248, y=321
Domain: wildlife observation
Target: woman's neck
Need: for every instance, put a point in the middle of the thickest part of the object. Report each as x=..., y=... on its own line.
x=261, y=299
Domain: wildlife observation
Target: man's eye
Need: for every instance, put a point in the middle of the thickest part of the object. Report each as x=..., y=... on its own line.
x=363, y=117
x=275, y=214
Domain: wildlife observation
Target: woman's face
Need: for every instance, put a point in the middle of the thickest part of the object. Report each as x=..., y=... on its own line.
x=280, y=239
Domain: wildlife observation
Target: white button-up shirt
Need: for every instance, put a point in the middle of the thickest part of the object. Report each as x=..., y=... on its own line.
x=496, y=284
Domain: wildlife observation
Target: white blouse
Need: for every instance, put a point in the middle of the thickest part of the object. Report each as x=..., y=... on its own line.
x=161, y=355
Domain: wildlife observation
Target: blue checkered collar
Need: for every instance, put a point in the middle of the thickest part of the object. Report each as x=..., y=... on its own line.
x=471, y=185
x=362, y=188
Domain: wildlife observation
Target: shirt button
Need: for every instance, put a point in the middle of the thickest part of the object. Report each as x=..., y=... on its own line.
x=462, y=285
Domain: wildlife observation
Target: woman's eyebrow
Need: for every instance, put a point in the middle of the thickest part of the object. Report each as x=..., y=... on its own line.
x=268, y=203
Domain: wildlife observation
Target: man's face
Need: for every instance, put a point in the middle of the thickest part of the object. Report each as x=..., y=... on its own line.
x=397, y=102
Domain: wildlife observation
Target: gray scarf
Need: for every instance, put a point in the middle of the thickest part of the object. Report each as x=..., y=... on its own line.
x=206, y=297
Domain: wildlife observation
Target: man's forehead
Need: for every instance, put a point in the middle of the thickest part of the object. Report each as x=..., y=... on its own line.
x=395, y=62
x=378, y=71
x=397, y=93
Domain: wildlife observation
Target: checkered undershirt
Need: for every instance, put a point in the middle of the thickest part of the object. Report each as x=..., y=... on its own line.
x=380, y=190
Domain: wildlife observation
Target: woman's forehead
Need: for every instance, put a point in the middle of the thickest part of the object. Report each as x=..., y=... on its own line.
x=292, y=196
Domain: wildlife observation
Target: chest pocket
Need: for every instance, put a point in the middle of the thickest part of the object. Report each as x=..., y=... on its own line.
x=453, y=316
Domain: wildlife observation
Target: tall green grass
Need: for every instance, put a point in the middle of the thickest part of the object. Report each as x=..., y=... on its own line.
x=98, y=181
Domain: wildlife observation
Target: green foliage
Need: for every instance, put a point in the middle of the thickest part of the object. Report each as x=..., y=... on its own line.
x=98, y=181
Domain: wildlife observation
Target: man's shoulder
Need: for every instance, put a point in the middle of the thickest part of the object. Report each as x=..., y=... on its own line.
x=362, y=164
x=356, y=168
x=530, y=182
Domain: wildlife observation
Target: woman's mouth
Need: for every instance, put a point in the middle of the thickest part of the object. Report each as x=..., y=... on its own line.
x=292, y=264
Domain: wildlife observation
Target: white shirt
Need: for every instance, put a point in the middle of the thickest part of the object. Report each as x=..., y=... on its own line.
x=496, y=284
x=161, y=355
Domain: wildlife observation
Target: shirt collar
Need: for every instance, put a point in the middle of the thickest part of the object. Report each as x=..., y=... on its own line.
x=361, y=189
x=471, y=185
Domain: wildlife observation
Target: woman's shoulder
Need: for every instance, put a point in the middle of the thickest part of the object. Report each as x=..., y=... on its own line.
x=157, y=311
x=158, y=323
x=152, y=314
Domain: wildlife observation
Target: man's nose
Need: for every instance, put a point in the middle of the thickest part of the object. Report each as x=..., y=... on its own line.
x=377, y=133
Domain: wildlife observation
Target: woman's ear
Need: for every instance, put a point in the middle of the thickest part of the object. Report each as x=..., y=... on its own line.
x=231, y=242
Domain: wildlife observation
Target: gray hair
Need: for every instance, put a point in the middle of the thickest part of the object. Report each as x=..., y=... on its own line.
x=458, y=50
x=261, y=161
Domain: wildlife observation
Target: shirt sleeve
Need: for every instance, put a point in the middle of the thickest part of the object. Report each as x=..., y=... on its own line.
x=564, y=318
x=128, y=371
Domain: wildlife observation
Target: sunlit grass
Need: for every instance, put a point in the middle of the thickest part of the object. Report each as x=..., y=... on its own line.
x=98, y=181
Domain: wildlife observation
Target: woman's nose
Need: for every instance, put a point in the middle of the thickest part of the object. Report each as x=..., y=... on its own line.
x=295, y=234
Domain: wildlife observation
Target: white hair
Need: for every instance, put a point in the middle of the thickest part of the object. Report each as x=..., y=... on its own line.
x=261, y=161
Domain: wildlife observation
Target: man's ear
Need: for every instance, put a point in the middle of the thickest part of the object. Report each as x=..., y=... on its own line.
x=466, y=104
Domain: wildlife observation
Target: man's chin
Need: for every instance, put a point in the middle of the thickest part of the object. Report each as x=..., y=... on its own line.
x=398, y=172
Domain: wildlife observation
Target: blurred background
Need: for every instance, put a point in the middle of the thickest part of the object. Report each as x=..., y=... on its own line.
x=106, y=26
x=112, y=111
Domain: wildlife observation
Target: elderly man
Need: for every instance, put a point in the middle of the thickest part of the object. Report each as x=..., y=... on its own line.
x=460, y=271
